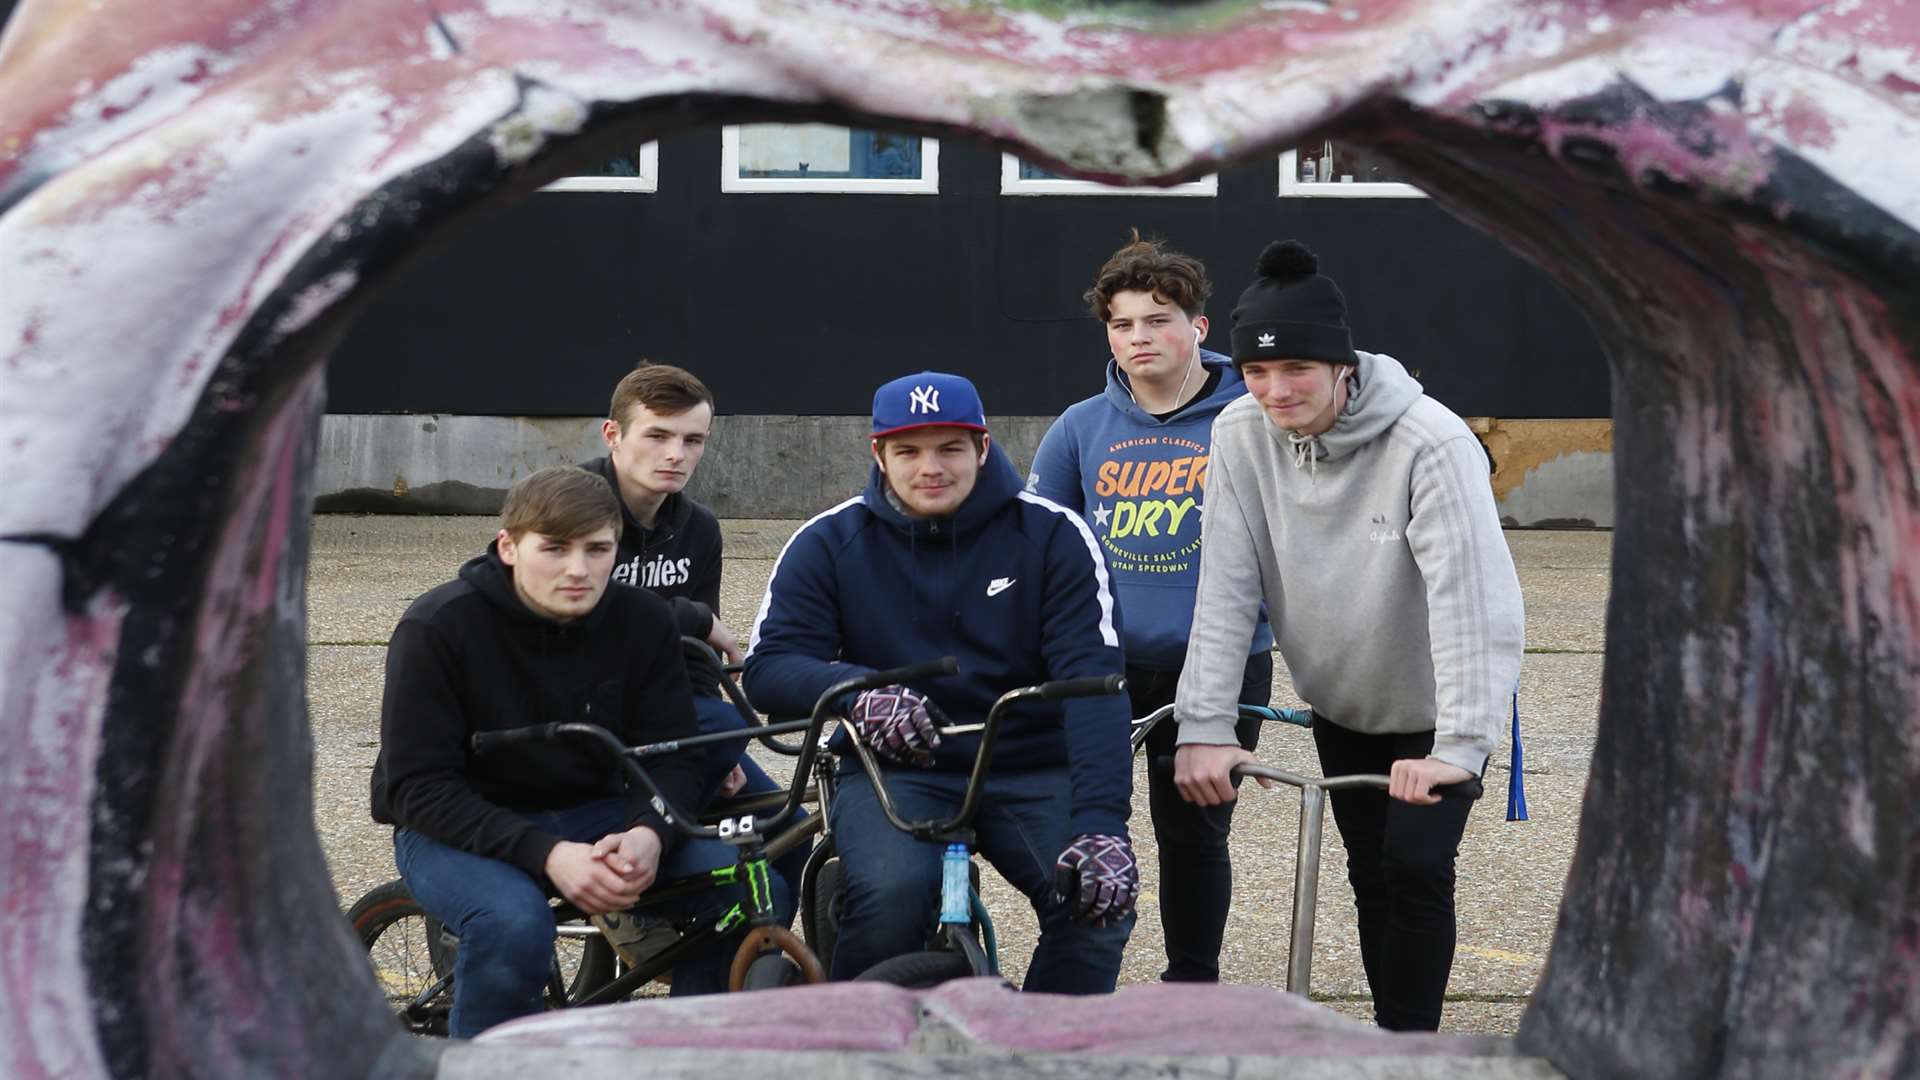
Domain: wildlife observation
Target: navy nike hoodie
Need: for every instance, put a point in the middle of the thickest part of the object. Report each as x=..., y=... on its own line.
x=470, y=656
x=1011, y=585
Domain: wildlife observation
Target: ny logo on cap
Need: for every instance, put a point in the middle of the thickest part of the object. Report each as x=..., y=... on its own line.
x=1266, y=341
x=923, y=399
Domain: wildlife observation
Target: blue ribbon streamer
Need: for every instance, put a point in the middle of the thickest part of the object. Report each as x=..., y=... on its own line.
x=1516, y=778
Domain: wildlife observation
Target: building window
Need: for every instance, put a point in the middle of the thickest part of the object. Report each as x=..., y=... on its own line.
x=638, y=171
x=1019, y=177
x=821, y=158
x=1336, y=170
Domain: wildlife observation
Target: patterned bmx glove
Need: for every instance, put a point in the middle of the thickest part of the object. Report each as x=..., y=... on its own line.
x=1098, y=877
x=898, y=723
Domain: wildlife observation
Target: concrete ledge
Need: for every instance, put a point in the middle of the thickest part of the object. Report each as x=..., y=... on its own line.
x=981, y=1027
x=1547, y=473
x=483, y=1061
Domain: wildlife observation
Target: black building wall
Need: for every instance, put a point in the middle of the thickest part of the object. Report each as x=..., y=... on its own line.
x=801, y=304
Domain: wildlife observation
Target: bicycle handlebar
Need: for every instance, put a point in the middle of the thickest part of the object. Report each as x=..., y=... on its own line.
x=486, y=742
x=946, y=665
x=1091, y=686
x=1470, y=788
x=1088, y=686
x=730, y=690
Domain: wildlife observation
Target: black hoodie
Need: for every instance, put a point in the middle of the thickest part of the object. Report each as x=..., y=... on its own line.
x=678, y=558
x=469, y=656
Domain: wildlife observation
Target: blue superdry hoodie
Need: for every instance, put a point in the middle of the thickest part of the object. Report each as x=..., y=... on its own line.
x=1011, y=585
x=1140, y=483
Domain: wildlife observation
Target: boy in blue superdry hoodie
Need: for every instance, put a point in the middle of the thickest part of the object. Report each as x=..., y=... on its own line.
x=945, y=555
x=1133, y=462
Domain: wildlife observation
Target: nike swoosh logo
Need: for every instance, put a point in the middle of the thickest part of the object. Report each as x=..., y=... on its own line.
x=999, y=585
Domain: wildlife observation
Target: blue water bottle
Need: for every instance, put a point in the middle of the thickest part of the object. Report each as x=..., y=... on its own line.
x=955, y=884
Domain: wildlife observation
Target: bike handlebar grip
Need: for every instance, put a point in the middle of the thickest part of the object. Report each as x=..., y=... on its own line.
x=486, y=742
x=1090, y=686
x=946, y=665
x=1470, y=788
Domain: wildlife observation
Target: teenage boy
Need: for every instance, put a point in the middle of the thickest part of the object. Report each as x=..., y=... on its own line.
x=1133, y=462
x=1360, y=509
x=945, y=555
x=529, y=633
x=656, y=432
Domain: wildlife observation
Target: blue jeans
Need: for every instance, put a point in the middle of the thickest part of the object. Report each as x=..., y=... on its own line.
x=505, y=925
x=716, y=715
x=893, y=880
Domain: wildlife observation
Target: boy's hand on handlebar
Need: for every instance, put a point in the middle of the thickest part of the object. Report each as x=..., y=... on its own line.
x=1413, y=779
x=1098, y=877
x=899, y=723
x=725, y=642
x=1203, y=772
x=585, y=879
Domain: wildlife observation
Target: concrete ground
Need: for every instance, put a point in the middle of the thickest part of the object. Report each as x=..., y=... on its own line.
x=365, y=570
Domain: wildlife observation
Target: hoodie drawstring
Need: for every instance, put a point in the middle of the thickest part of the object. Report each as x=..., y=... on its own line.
x=1304, y=455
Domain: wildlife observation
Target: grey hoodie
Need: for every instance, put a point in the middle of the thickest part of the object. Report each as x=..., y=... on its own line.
x=1378, y=550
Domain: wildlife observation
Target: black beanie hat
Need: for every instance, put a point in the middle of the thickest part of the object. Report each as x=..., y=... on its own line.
x=1291, y=311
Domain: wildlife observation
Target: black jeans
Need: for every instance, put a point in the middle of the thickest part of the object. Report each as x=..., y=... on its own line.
x=1400, y=862
x=1196, y=873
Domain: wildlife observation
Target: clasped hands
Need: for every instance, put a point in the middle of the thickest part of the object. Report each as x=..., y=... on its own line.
x=609, y=874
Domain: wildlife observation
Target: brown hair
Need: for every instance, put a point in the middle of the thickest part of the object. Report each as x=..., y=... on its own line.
x=562, y=502
x=1146, y=266
x=662, y=388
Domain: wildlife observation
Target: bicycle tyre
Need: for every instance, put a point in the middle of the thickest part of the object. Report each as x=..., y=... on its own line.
x=820, y=917
x=599, y=965
x=919, y=970
x=770, y=972
x=408, y=951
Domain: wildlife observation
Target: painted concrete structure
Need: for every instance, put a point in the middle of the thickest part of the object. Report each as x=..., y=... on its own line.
x=194, y=197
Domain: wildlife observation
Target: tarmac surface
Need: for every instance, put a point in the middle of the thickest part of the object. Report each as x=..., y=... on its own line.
x=365, y=570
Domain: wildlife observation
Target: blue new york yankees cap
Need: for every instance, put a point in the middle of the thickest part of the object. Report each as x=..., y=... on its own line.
x=929, y=399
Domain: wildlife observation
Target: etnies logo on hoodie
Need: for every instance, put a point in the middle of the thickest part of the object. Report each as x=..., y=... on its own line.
x=660, y=573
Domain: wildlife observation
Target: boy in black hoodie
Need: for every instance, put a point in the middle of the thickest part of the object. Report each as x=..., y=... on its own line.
x=529, y=633
x=656, y=432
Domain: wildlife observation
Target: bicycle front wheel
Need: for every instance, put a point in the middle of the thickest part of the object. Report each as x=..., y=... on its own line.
x=411, y=954
x=919, y=970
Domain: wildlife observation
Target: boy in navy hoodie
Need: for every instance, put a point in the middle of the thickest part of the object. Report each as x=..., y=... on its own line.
x=945, y=555
x=1133, y=461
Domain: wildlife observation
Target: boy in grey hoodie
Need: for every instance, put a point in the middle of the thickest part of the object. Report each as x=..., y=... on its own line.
x=1359, y=509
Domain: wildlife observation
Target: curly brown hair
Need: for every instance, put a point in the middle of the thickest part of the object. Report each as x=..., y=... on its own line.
x=1148, y=266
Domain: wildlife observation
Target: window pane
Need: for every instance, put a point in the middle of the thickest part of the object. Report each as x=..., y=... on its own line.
x=818, y=151
x=624, y=165
x=1332, y=162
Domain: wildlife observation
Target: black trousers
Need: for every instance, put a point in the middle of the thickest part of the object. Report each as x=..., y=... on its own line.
x=1196, y=873
x=1400, y=863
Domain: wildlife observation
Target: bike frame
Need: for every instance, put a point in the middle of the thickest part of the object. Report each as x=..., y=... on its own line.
x=745, y=831
x=1313, y=807
x=961, y=907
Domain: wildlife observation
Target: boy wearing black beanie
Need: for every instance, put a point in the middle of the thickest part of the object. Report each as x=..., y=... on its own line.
x=1359, y=509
